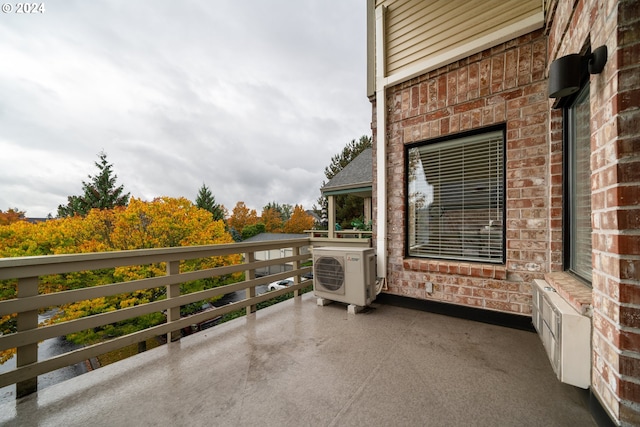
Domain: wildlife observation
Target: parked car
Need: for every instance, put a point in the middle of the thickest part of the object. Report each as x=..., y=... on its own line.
x=280, y=284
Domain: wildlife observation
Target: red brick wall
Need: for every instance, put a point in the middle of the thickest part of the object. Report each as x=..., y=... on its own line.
x=615, y=165
x=505, y=84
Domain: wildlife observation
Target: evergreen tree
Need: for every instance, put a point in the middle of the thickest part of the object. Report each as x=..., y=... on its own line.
x=206, y=200
x=99, y=193
x=349, y=152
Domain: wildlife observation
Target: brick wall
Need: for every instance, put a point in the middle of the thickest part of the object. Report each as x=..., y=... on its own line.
x=505, y=84
x=615, y=165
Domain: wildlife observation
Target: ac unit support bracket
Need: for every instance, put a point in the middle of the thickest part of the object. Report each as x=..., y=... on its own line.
x=354, y=309
x=323, y=301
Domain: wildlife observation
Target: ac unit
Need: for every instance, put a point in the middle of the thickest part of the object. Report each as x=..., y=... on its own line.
x=346, y=275
x=565, y=335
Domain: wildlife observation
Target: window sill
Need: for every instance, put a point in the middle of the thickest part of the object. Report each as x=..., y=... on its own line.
x=487, y=271
x=572, y=290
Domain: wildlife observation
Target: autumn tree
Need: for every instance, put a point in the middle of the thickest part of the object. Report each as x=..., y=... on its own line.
x=348, y=206
x=241, y=217
x=162, y=222
x=11, y=215
x=206, y=200
x=99, y=193
x=283, y=210
x=299, y=222
x=272, y=220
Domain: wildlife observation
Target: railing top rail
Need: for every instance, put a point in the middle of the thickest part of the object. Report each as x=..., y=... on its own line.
x=18, y=267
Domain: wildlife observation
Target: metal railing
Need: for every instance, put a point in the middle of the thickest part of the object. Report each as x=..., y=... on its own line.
x=28, y=270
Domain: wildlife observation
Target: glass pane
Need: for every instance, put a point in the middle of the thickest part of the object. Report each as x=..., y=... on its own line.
x=456, y=199
x=580, y=187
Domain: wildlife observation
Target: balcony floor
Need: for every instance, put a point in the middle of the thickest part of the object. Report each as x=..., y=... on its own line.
x=297, y=364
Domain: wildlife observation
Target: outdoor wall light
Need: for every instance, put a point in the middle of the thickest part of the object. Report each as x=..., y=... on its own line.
x=565, y=73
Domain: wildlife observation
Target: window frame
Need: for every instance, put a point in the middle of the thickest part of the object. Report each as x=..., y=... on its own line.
x=569, y=178
x=503, y=208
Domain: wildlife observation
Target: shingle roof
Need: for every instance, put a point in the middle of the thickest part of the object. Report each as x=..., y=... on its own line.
x=356, y=175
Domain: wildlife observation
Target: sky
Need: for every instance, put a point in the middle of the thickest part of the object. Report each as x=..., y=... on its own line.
x=250, y=98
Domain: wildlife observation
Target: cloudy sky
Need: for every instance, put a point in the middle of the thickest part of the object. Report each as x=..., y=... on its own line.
x=251, y=98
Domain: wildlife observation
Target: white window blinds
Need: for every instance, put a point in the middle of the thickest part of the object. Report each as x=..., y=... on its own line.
x=579, y=191
x=456, y=199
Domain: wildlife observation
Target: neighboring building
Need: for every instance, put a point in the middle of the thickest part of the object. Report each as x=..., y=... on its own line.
x=270, y=254
x=483, y=184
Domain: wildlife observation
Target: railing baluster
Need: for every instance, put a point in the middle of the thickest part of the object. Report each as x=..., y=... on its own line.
x=250, y=274
x=296, y=265
x=173, y=313
x=27, y=354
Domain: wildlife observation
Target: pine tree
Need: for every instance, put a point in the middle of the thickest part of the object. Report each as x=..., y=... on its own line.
x=99, y=193
x=349, y=152
x=206, y=200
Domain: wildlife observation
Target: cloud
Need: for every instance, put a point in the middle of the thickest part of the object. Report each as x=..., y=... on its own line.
x=250, y=98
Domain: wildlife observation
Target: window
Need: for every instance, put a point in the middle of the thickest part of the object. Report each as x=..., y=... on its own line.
x=577, y=195
x=455, y=198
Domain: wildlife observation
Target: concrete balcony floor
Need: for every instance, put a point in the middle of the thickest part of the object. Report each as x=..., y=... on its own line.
x=298, y=364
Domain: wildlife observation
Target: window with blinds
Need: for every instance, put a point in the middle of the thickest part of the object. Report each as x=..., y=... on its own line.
x=455, y=191
x=578, y=192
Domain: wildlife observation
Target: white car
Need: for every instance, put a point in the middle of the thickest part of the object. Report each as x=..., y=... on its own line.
x=280, y=284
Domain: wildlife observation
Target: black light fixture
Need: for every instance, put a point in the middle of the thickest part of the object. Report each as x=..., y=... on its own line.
x=565, y=73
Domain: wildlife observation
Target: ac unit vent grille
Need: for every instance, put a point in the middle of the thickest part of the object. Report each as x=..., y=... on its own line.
x=329, y=273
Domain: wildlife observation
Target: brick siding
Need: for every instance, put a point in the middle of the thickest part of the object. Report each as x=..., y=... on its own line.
x=502, y=85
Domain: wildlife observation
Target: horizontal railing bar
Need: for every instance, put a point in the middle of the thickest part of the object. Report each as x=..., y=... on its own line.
x=31, y=336
x=18, y=267
x=18, y=305
x=85, y=353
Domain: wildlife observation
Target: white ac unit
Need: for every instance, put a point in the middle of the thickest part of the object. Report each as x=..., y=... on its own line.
x=565, y=334
x=346, y=274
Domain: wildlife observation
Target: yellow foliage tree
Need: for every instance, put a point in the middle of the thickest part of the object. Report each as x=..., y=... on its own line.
x=163, y=222
x=299, y=222
x=242, y=216
x=272, y=220
x=10, y=216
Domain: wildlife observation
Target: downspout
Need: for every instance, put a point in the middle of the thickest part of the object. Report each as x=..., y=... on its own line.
x=381, y=148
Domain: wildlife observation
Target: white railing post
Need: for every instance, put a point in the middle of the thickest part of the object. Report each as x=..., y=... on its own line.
x=250, y=274
x=173, y=291
x=27, y=354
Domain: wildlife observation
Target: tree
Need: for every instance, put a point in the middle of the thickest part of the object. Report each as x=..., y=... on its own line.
x=349, y=152
x=10, y=216
x=299, y=222
x=348, y=207
x=99, y=193
x=283, y=210
x=242, y=216
x=206, y=200
x=163, y=222
x=272, y=220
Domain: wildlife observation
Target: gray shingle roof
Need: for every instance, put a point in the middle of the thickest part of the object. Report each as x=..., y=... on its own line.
x=356, y=175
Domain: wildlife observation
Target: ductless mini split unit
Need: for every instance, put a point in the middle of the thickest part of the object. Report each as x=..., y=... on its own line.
x=345, y=274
